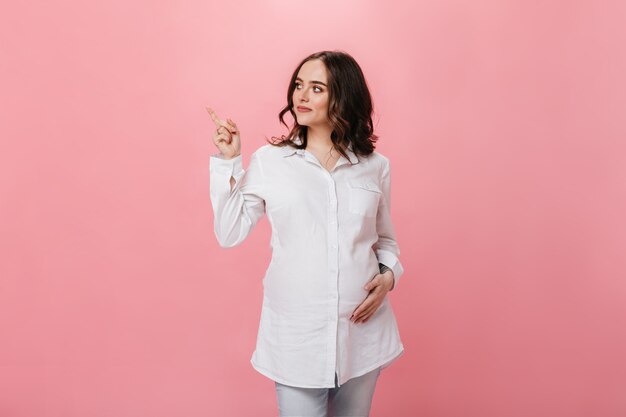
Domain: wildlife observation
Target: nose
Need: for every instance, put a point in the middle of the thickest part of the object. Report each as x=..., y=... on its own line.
x=302, y=95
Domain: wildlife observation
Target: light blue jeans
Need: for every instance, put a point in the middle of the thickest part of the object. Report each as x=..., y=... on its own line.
x=354, y=398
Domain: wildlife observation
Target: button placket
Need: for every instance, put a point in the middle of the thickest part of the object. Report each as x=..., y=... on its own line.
x=333, y=264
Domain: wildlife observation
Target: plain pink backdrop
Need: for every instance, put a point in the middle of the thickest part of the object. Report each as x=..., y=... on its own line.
x=504, y=122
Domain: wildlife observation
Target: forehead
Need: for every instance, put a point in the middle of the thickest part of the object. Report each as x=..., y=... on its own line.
x=313, y=70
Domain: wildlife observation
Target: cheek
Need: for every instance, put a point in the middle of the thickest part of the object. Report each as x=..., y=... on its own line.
x=321, y=104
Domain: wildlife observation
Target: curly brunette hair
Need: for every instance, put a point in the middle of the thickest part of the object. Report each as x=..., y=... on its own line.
x=349, y=107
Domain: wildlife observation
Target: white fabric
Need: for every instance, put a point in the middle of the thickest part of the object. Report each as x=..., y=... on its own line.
x=329, y=232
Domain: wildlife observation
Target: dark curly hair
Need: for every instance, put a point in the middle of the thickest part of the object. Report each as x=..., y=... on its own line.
x=349, y=106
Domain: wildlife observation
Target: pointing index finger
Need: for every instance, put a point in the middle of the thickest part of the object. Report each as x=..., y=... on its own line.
x=216, y=119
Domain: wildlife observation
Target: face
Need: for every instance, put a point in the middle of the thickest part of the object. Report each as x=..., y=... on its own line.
x=311, y=91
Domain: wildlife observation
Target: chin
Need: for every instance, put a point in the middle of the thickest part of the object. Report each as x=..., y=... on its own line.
x=303, y=122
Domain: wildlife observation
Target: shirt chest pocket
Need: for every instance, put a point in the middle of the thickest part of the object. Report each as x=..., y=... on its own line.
x=364, y=196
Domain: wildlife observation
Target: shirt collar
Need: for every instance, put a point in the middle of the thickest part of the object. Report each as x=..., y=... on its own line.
x=289, y=150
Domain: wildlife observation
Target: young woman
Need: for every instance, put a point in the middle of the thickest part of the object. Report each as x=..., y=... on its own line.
x=326, y=328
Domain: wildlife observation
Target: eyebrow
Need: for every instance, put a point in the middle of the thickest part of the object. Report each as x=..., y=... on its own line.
x=313, y=82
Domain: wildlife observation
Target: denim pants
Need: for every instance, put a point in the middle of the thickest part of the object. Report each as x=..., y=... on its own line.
x=353, y=398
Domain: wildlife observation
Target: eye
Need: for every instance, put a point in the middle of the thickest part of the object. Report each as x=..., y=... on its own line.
x=318, y=88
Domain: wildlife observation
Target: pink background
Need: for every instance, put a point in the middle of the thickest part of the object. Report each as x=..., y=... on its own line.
x=504, y=121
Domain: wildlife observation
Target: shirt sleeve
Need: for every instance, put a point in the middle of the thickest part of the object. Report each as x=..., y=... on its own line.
x=236, y=211
x=386, y=247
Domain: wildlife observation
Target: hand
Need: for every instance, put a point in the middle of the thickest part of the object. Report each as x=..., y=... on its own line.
x=378, y=286
x=226, y=137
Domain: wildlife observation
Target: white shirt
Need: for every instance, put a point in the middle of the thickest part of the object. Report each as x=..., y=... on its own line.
x=329, y=232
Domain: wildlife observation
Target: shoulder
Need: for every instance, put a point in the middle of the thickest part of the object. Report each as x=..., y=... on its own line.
x=264, y=151
x=381, y=161
x=379, y=157
x=268, y=154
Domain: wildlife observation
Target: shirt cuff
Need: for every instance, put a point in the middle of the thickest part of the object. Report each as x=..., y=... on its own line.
x=229, y=167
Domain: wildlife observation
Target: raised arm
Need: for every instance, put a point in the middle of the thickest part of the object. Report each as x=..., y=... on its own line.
x=236, y=208
x=236, y=194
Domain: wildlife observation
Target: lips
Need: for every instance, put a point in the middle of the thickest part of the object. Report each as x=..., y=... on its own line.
x=303, y=109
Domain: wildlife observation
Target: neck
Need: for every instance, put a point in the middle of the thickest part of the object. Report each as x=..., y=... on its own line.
x=319, y=137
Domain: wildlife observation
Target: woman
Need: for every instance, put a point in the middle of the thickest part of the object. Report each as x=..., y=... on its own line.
x=326, y=328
